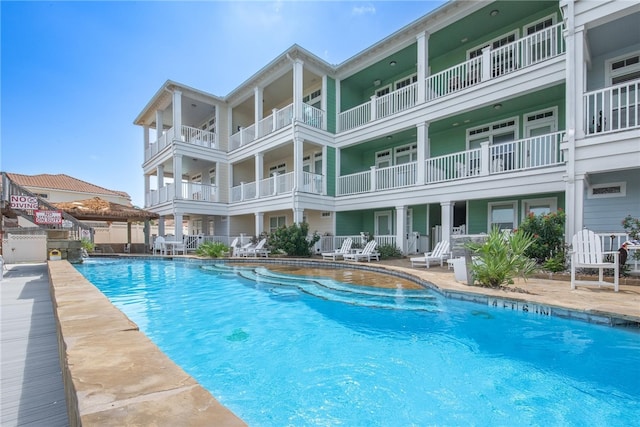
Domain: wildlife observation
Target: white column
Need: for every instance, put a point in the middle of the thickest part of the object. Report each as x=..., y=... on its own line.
x=159, y=125
x=145, y=137
x=323, y=102
x=579, y=81
x=570, y=95
x=423, y=151
x=447, y=219
x=147, y=190
x=579, y=190
x=297, y=163
x=298, y=215
x=259, y=170
x=401, y=228
x=324, y=169
x=423, y=64
x=177, y=113
x=161, y=226
x=259, y=224
x=177, y=175
x=258, y=97
x=160, y=175
x=177, y=218
x=297, y=88
x=337, y=105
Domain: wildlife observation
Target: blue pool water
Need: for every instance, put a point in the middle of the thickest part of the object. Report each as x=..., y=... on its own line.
x=281, y=350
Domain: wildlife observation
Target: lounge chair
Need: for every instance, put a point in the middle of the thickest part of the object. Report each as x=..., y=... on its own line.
x=258, y=250
x=159, y=246
x=242, y=250
x=233, y=247
x=367, y=253
x=439, y=254
x=586, y=252
x=339, y=253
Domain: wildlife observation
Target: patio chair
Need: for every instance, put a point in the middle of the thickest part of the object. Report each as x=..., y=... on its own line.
x=339, y=253
x=586, y=252
x=159, y=246
x=258, y=250
x=233, y=247
x=368, y=252
x=439, y=254
x=242, y=250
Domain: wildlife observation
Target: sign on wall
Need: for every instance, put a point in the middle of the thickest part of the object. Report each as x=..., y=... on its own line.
x=48, y=217
x=23, y=202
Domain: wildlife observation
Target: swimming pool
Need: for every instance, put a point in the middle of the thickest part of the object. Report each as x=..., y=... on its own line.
x=281, y=350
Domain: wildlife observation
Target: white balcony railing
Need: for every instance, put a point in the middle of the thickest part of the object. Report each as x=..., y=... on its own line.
x=312, y=183
x=277, y=120
x=188, y=191
x=188, y=134
x=493, y=63
x=612, y=109
x=529, y=153
x=313, y=116
x=272, y=186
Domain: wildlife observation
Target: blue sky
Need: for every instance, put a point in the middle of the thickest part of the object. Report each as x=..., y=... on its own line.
x=74, y=75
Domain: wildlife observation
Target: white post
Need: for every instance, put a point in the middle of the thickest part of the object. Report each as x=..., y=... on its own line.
x=401, y=228
x=423, y=64
x=298, y=72
x=297, y=163
x=159, y=126
x=259, y=170
x=259, y=223
x=485, y=158
x=177, y=114
x=423, y=151
x=177, y=175
x=447, y=219
x=374, y=184
x=374, y=107
x=486, y=64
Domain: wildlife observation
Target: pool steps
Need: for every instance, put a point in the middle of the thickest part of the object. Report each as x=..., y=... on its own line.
x=277, y=283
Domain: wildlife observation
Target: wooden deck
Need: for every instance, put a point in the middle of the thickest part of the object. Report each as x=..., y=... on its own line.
x=31, y=389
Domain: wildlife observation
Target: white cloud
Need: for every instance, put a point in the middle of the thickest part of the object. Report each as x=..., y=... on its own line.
x=363, y=10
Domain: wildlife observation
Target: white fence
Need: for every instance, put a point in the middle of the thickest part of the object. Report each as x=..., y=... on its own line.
x=18, y=248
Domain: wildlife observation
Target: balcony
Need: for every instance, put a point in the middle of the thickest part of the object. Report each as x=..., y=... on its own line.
x=189, y=191
x=277, y=120
x=612, y=109
x=276, y=185
x=524, y=154
x=188, y=134
x=492, y=64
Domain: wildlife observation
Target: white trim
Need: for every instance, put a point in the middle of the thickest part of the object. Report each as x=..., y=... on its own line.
x=513, y=203
x=609, y=75
x=411, y=149
x=554, y=19
x=553, y=119
x=411, y=77
x=383, y=88
x=622, y=193
x=489, y=43
x=551, y=201
x=490, y=132
x=378, y=155
x=378, y=214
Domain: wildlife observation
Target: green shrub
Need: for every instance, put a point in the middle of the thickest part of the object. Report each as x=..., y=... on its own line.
x=293, y=240
x=631, y=226
x=212, y=249
x=501, y=258
x=548, y=247
x=87, y=245
x=388, y=251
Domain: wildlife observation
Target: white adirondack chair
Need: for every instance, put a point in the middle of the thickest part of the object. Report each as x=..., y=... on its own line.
x=339, y=253
x=368, y=252
x=439, y=254
x=586, y=252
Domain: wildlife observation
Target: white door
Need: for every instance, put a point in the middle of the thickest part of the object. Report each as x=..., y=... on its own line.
x=383, y=223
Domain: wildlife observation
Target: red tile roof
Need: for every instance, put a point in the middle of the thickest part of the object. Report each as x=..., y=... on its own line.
x=62, y=182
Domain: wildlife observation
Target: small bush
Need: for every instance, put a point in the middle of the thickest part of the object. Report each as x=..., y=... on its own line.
x=388, y=251
x=293, y=240
x=212, y=249
x=548, y=246
x=501, y=258
x=87, y=245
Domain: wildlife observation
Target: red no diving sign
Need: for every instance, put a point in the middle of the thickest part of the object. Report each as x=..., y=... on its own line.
x=24, y=202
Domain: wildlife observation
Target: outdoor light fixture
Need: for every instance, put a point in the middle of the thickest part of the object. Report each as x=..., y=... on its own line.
x=497, y=106
x=393, y=63
x=376, y=82
x=494, y=12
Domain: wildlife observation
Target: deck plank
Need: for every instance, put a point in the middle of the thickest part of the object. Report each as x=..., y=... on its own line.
x=31, y=391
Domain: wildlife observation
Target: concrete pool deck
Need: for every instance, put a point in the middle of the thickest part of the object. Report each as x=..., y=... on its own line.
x=114, y=375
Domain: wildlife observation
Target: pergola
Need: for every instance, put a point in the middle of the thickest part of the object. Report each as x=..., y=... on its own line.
x=97, y=209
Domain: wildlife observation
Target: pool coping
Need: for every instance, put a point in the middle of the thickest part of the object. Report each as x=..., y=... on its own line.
x=128, y=380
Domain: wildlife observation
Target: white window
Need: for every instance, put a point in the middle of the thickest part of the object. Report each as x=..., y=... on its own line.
x=498, y=134
x=406, y=154
x=502, y=215
x=212, y=176
x=406, y=81
x=209, y=125
x=539, y=25
x=383, y=91
x=276, y=222
x=495, y=43
x=279, y=169
x=383, y=223
x=612, y=189
x=623, y=68
x=539, y=206
x=314, y=98
x=383, y=159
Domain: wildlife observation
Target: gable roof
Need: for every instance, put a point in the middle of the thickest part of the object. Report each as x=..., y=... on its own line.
x=62, y=182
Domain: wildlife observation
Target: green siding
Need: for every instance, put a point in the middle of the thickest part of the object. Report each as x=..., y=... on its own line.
x=331, y=105
x=478, y=210
x=331, y=171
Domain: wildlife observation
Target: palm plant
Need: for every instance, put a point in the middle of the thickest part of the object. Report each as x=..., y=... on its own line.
x=501, y=258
